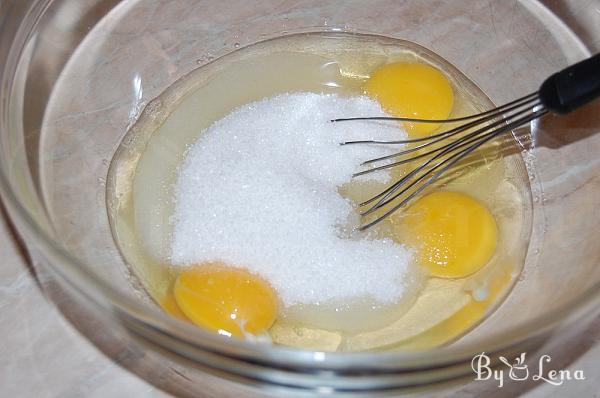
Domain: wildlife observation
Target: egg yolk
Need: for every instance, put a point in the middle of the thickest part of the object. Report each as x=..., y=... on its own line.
x=170, y=306
x=228, y=300
x=412, y=90
x=456, y=235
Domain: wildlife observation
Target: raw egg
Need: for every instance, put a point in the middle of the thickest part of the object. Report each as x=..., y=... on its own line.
x=412, y=90
x=230, y=301
x=455, y=234
x=464, y=318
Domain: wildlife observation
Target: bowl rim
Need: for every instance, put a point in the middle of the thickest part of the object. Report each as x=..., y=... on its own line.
x=94, y=288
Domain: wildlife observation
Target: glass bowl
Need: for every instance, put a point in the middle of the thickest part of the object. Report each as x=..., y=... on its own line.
x=78, y=73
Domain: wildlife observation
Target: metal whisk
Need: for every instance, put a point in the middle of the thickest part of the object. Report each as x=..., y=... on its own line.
x=560, y=93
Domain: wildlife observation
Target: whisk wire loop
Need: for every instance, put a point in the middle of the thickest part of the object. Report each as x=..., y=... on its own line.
x=481, y=117
x=443, y=166
x=434, y=141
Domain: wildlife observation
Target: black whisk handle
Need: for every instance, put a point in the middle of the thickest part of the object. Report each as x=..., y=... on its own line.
x=572, y=87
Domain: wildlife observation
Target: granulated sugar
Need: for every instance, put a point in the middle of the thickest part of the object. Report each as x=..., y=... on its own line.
x=259, y=190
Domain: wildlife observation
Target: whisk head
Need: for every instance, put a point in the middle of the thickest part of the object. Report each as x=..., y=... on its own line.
x=438, y=152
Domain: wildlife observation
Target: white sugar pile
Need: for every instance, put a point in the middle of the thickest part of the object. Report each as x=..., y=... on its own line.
x=259, y=190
